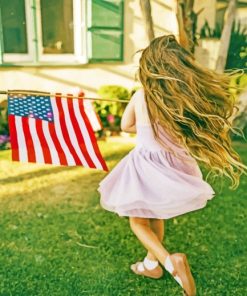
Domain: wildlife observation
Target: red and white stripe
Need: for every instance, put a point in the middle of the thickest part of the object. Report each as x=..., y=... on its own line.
x=92, y=115
x=69, y=140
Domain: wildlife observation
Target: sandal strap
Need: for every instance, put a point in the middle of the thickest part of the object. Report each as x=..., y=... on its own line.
x=170, y=268
x=140, y=267
x=147, y=262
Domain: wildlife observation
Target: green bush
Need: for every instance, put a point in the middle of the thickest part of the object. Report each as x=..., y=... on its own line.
x=237, y=53
x=207, y=32
x=4, y=129
x=240, y=119
x=111, y=112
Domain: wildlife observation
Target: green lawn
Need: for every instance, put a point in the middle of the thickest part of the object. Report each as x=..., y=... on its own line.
x=57, y=240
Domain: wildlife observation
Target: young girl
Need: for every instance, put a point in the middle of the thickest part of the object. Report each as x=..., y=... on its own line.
x=181, y=116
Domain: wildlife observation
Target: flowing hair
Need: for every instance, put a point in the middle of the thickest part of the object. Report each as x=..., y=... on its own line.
x=192, y=103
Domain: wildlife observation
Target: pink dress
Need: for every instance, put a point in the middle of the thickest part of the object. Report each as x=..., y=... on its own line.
x=150, y=182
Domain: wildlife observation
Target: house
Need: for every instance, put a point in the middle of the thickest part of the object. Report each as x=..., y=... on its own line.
x=67, y=45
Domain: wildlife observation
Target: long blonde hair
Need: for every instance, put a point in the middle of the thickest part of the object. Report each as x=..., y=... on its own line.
x=192, y=103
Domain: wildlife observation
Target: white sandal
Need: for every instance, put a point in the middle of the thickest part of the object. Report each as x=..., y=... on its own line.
x=139, y=268
x=177, y=265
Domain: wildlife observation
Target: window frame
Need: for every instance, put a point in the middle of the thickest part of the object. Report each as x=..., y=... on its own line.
x=80, y=53
x=82, y=42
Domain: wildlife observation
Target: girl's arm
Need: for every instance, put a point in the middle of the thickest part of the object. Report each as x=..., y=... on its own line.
x=131, y=129
x=128, y=118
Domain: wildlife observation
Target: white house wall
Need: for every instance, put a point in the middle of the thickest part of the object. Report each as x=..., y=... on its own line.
x=90, y=77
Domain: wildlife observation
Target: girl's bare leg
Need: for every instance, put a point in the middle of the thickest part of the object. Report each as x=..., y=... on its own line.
x=141, y=228
x=158, y=227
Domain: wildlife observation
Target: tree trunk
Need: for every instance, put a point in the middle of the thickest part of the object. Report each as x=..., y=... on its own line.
x=187, y=20
x=147, y=16
x=183, y=38
x=225, y=36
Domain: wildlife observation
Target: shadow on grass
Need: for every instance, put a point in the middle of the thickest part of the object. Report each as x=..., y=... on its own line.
x=53, y=170
x=73, y=185
x=30, y=175
x=75, y=190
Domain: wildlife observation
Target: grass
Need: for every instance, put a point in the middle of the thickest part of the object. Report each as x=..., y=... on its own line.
x=57, y=240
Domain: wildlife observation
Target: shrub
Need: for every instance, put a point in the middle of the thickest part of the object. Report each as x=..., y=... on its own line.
x=237, y=53
x=4, y=142
x=240, y=118
x=207, y=32
x=111, y=112
x=4, y=129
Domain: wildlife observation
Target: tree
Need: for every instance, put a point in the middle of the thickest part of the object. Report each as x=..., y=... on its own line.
x=187, y=24
x=147, y=16
x=225, y=36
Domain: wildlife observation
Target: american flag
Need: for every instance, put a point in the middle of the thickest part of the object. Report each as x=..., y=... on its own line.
x=52, y=130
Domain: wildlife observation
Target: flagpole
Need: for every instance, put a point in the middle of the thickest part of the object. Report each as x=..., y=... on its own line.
x=69, y=96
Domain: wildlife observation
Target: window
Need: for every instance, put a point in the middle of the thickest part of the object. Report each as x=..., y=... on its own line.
x=57, y=26
x=15, y=39
x=61, y=31
x=14, y=20
x=55, y=31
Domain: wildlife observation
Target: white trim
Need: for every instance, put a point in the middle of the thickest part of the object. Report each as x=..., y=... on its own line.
x=24, y=57
x=84, y=8
x=39, y=30
x=89, y=24
x=65, y=57
x=80, y=29
x=77, y=17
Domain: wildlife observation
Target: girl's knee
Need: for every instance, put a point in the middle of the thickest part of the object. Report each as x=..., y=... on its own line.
x=157, y=221
x=135, y=221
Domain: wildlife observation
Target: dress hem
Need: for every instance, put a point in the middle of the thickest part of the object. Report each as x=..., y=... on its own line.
x=124, y=213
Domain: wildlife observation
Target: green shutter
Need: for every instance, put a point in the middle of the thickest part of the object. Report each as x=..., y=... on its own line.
x=105, y=30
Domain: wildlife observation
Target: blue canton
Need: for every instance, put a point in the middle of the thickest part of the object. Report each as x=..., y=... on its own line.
x=38, y=107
